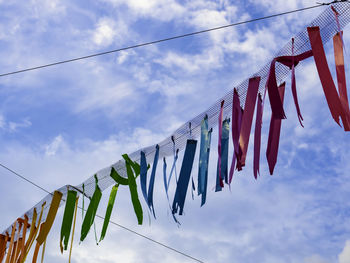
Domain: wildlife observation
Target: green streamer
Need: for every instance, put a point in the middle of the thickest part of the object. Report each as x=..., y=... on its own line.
x=67, y=219
x=133, y=190
x=91, y=211
x=135, y=166
x=118, y=178
x=109, y=210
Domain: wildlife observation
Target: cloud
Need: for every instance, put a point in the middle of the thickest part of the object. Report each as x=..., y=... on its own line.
x=344, y=256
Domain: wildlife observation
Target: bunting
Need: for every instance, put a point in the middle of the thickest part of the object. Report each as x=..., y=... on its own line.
x=18, y=243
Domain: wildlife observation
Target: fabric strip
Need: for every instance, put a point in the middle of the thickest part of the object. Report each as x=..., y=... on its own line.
x=91, y=211
x=257, y=137
x=247, y=120
x=274, y=135
x=203, y=159
x=50, y=218
x=340, y=69
x=133, y=189
x=151, y=182
x=143, y=176
x=224, y=154
x=73, y=230
x=109, y=209
x=184, y=177
x=67, y=219
x=236, y=130
x=3, y=243
x=220, y=180
x=324, y=73
x=10, y=248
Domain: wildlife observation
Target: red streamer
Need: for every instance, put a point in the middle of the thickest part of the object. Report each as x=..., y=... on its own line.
x=257, y=136
x=247, y=119
x=274, y=134
x=343, y=96
x=236, y=129
x=324, y=73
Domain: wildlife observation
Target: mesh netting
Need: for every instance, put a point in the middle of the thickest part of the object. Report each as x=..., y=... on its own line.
x=328, y=28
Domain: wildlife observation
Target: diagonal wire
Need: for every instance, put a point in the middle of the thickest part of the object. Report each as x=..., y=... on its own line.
x=164, y=39
x=110, y=221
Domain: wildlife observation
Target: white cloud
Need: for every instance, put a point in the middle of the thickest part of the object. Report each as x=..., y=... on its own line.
x=344, y=256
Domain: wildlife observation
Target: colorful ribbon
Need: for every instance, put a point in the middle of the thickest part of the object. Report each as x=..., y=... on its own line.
x=151, y=182
x=341, y=79
x=236, y=130
x=143, y=175
x=274, y=135
x=109, y=209
x=184, y=177
x=257, y=136
x=50, y=218
x=221, y=183
x=204, y=159
x=324, y=73
x=224, y=155
x=133, y=191
x=67, y=219
x=247, y=120
x=73, y=230
x=91, y=211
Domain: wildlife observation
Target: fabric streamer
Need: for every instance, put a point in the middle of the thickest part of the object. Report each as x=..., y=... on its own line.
x=73, y=230
x=67, y=219
x=324, y=73
x=50, y=218
x=340, y=69
x=173, y=167
x=24, y=234
x=247, y=120
x=165, y=180
x=3, y=243
x=109, y=209
x=221, y=183
x=9, y=251
x=37, y=246
x=274, y=135
x=91, y=211
x=224, y=155
x=143, y=176
x=257, y=136
x=36, y=230
x=204, y=159
x=236, y=130
x=294, y=89
x=133, y=189
x=184, y=177
x=151, y=182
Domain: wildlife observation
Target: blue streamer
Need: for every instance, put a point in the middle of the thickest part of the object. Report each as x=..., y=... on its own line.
x=143, y=175
x=224, y=154
x=204, y=159
x=151, y=182
x=184, y=178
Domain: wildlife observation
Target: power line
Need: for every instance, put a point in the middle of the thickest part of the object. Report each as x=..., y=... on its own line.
x=110, y=221
x=163, y=40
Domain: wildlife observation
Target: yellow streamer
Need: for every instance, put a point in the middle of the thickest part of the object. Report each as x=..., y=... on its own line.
x=72, y=238
x=56, y=199
x=34, y=233
x=9, y=252
x=43, y=252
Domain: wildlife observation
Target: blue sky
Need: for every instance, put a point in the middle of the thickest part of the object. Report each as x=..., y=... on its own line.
x=61, y=124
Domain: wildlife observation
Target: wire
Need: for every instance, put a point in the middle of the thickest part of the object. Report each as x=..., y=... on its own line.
x=110, y=221
x=164, y=39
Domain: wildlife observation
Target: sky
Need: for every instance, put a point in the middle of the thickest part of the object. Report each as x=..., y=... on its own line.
x=61, y=124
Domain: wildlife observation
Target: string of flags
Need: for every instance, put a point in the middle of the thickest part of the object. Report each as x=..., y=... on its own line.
x=15, y=246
